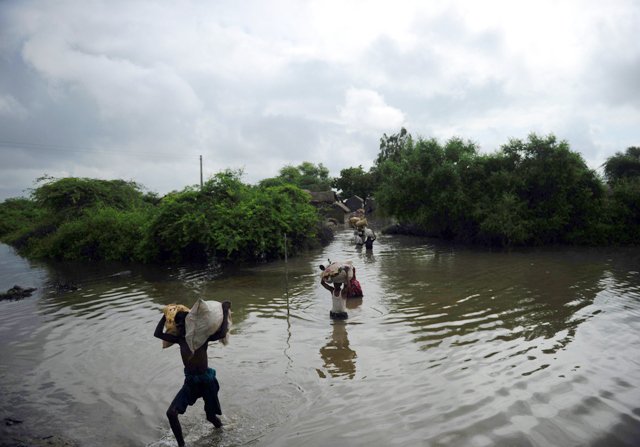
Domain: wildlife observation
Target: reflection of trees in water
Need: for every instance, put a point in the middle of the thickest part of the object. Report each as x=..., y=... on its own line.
x=250, y=289
x=515, y=295
x=338, y=357
x=86, y=285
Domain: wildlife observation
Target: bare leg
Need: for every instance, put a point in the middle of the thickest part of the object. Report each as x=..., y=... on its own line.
x=212, y=404
x=215, y=420
x=172, y=414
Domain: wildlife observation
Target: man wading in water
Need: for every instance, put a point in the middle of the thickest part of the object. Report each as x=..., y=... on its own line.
x=199, y=380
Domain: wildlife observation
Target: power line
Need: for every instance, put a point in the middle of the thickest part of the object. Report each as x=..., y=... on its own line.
x=30, y=146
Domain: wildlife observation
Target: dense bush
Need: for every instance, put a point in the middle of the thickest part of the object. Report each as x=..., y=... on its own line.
x=624, y=211
x=231, y=220
x=101, y=233
x=70, y=197
x=529, y=192
x=622, y=207
x=556, y=193
x=79, y=218
x=422, y=183
x=623, y=165
x=76, y=219
x=17, y=214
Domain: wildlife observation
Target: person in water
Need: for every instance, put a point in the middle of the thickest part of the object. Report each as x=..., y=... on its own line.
x=354, y=289
x=369, y=236
x=339, y=297
x=199, y=380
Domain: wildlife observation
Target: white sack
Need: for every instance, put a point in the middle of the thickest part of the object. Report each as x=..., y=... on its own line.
x=204, y=319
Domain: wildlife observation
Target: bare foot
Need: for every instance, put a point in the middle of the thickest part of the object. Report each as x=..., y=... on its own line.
x=216, y=421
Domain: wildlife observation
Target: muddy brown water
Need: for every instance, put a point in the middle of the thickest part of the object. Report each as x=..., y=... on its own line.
x=451, y=346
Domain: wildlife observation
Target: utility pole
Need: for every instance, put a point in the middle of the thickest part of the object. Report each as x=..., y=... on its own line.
x=201, y=172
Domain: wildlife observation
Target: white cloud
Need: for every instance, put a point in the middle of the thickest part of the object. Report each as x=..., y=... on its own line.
x=366, y=111
x=263, y=84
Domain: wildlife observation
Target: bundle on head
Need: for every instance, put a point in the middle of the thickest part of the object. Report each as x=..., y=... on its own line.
x=338, y=272
x=170, y=311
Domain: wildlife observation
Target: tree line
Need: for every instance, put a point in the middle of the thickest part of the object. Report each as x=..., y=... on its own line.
x=225, y=220
x=530, y=192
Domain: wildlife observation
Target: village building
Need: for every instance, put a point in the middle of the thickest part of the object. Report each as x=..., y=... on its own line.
x=329, y=206
x=354, y=203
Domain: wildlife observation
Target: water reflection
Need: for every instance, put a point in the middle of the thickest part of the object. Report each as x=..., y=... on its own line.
x=455, y=346
x=338, y=358
x=511, y=295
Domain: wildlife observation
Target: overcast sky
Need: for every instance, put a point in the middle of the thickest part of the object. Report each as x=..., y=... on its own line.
x=138, y=90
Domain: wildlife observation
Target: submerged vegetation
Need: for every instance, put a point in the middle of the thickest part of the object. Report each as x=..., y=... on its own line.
x=531, y=192
x=89, y=219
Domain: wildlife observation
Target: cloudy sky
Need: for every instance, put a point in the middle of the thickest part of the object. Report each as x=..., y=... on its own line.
x=138, y=90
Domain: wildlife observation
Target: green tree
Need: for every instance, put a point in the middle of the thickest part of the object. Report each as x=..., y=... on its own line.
x=422, y=184
x=17, y=214
x=558, y=187
x=392, y=146
x=232, y=221
x=623, y=165
x=70, y=196
x=530, y=192
x=305, y=176
x=622, y=210
x=355, y=181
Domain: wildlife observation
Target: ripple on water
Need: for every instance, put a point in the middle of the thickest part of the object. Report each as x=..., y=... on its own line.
x=450, y=346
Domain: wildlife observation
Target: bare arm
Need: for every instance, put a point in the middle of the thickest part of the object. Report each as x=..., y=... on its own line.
x=159, y=332
x=326, y=286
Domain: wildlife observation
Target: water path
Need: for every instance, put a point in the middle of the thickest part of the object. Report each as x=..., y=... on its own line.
x=450, y=346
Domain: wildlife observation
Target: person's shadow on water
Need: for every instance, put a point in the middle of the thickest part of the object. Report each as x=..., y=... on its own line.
x=338, y=357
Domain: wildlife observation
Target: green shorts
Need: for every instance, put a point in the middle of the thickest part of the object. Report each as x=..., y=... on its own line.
x=195, y=386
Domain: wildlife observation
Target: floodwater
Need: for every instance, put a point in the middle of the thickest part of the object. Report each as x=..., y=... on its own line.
x=451, y=346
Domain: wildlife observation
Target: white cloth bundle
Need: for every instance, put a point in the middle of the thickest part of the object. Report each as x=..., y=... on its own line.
x=204, y=319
